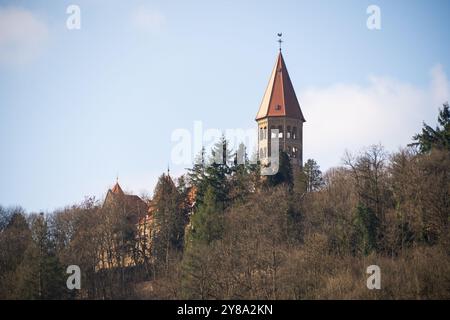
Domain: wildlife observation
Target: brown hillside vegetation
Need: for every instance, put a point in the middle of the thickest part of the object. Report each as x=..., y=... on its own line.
x=223, y=231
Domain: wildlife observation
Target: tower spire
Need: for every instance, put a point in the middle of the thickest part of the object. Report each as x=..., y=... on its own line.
x=280, y=41
x=280, y=109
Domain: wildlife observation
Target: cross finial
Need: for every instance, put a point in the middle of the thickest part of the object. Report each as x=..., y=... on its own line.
x=279, y=39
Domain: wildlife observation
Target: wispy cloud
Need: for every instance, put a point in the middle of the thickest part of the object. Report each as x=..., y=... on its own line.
x=388, y=111
x=22, y=36
x=148, y=20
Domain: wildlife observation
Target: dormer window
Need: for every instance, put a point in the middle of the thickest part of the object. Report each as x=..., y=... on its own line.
x=277, y=107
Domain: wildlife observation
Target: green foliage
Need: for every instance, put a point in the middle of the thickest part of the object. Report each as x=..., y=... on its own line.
x=213, y=173
x=439, y=137
x=284, y=174
x=366, y=229
x=169, y=220
x=15, y=238
x=243, y=177
x=207, y=222
x=40, y=274
x=314, y=180
x=197, y=176
x=207, y=226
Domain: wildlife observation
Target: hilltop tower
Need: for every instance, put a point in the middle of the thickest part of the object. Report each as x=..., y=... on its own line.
x=280, y=110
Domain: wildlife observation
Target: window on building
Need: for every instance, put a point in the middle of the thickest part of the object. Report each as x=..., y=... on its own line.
x=280, y=131
x=288, y=132
x=294, y=133
x=272, y=134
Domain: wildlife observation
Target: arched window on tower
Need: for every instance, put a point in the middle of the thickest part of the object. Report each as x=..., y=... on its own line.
x=288, y=132
x=272, y=134
x=280, y=131
x=294, y=133
x=261, y=133
x=265, y=132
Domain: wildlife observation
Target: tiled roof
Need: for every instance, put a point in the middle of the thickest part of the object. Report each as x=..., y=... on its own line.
x=117, y=189
x=279, y=99
x=133, y=205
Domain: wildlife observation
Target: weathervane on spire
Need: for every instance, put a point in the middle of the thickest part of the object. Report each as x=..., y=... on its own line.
x=279, y=39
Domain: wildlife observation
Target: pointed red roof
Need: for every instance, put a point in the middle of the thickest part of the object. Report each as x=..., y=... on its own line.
x=117, y=189
x=133, y=206
x=279, y=99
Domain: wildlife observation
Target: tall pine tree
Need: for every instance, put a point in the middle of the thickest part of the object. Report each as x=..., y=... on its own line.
x=40, y=275
x=169, y=221
x=439, y=137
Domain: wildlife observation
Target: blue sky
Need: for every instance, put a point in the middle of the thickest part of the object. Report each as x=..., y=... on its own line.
x=78, y=107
